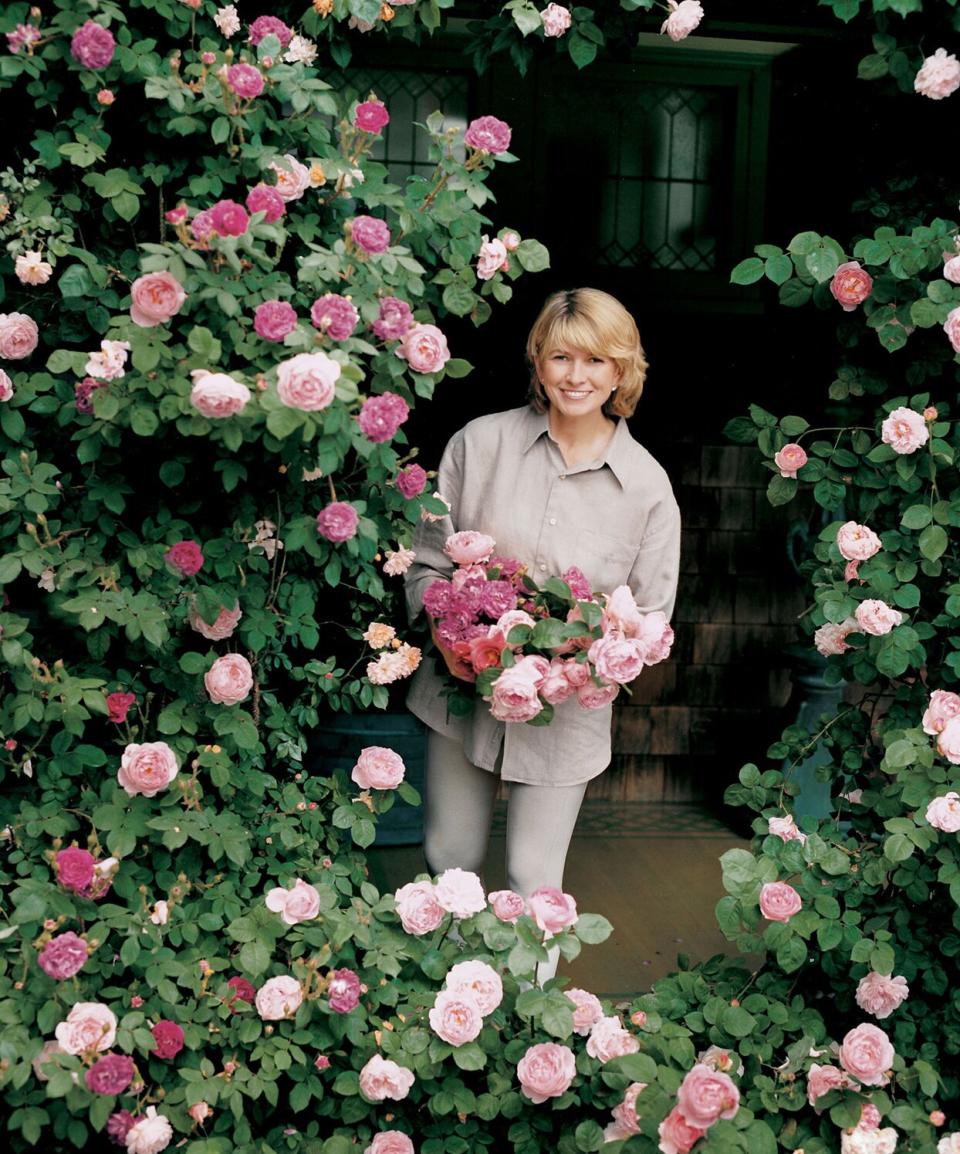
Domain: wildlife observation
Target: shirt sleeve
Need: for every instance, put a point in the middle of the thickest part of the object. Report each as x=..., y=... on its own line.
x=656, y=570
x=429, y=536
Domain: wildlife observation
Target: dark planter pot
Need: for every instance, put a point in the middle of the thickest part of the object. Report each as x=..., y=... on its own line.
x=813, y=698
x=337, y=745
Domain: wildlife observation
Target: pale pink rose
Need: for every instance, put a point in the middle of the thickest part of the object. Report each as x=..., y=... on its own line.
x=587, y=1010
x=557, y=686
x=424, y=348
x=789, y=459
x=19, y=336
x=279, y=998
x=880, y=994
x=300, y=904
x=676, y=1133
x=46, y=1058
x=857, y=542
x=556, y=19
x=625, y=1113
x=506, y=621
x=683, y=18
x=785, y=828
x=6, y=386
x=862, y=1140
x=948, y=743
x=293, y=178
x=514, y=694
x=469, y=547
x=88, y=1026
x=155, y=298
x=456, y=1017
x=507, y=905
x=951, y=268
x=779, y=902
x=274, y=320
x=949, y=1143
x=851, y=285
x=382, y=1078
x=378, y=767
x=390, y=1142
x=460, y=892
x=160, y=914
x=608, y=1039
x=307, y=381
x=655, y=637
x=301, y=51
x=943, y=813
x=707, y=1095
x=229, y=679
x=420, y=912
x=592, y=696
x=719, y=1059
x=552, y=909
x=31, y=268
x=621, y=614
x=951, y=327
x=867, y=1053
x=831, y=639
x=149, y=1134
x=616, y=658
x=511, y=241
x=904, y=431
x=479, y=979
x=217, y=396
x=147, y=769
x=822, y=1079
x=109, y=363
x=491, y=258
x=63, y=956
x=200, y=1112
x=546, y=1071
x=851, y=572
x=487, y=134
x=398, y=561
x=939, y=76
x=877, y=617
x=222, y=628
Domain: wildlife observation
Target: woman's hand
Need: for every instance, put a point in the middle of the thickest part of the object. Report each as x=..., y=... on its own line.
x=457, y=666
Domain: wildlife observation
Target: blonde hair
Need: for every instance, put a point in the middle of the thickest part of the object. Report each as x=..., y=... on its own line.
x=589, y=319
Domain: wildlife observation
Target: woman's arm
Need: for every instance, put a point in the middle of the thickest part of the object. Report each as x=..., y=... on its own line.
x=656, y=569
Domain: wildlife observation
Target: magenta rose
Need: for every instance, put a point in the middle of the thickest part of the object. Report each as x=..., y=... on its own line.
x=880, y=994
x=299, y=904
x=265, y=26
x=514, y=694
x=217, y=396
x=246, y=81
x=119, y=1125
x=867, y=1053
x=19, y=336
x=378, y=768
x=460, y=892
x=507, y=905
x=92, y=45
x=677, y=1136
x=877, y=617
x=111, y=1074
x=587, y=1010
x=383, y=1078
x=942, y=707
x=243, y=990
x=456, y=1017
x=229, y=218
x=481, y=980
x=617, y=659
x=707, y=1095
x=546, y=1071
x=338, y=521
x=64, y=955
x=371, y=116
x=167, y=1039
x=265, y=198
x=487, y=134
x=306, y=381
x=789, y=459
x=75, y=870
x=390, y=1142
x=380, y=417
x=186, y=557
x=939, y=76
x=593, y=696
x=343, y=991
x=943, y=813
x=904, y=431
x=424, y=348
x=229, y=679
x=155, y=298
x=851, y=285
x=370, y=234
x=118, y=706
x=608, y=1040
x=552, y=909
x=334, y=315
x=274, y=320
x=420, y=912
x=411, y=481
x=147, y=769
x=779, y=902
x=279, y=998
x=201, y=227
x=222, y=628
x=394, y=319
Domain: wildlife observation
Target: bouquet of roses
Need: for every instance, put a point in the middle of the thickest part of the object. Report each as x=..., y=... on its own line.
x=526, y=648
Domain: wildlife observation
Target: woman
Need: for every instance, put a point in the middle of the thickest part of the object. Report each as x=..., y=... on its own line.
x=558, y=483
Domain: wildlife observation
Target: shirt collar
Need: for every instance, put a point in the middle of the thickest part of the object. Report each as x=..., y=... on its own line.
x=616, y=457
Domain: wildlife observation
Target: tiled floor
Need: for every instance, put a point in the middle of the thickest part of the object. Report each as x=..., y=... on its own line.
x=652, y=869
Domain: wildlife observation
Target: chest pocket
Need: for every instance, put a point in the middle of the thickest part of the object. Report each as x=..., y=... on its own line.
x=605, y=559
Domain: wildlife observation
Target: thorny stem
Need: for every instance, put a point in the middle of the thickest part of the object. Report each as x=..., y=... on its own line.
x=810, y=745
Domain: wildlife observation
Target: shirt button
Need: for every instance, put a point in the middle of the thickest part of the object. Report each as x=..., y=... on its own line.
x=543, y=568
x=563, y=476
x=553, y=520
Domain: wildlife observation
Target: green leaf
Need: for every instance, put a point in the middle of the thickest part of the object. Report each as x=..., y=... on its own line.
x=593, y=929
x=779, y=269
x=459, y=299
x=469, y=1056
x=804, y=243
x=781, y=490
x=533, y=256
x=737, y=1021
x=917, y=517
x=822, y=263
x=125, y=205
x=792, y=954
x=457, y=368
x=254, y=958
x=897, y=847
x=748, y=271
x=10, y=566
x=933, y=542
x=582, y=51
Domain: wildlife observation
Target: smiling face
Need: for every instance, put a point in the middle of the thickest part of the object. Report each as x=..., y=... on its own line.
x=577, y=383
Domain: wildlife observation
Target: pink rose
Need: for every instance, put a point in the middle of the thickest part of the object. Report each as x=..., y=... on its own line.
x=6, y=390
x=88, y=1026
x=75, y=869
x=556, y=19
x=424, y=348
x=229, y=679
x=616, y=658
x=167, y=1039
x=217, y=396
x=420, y=912
x=939, y=76
x=200, y=1112
x=625, y=1114
x=92, y=45
x=469, y=547
x=655, y=638
x=147, y=769
x=455, y=1016
x=514, y=694
x=951, y=272
x=507, y=905
x=382, y=1078
x=380, y=417
x=19, y=336
x=904, y=431
x=390, y=1142
x=851, y=285
x=880, y=994
x=876, y=617
x=370, y=234
x=706, y=1095
x=229, y=218
x=32, y=269
x=177, y=216
x=943, y=707
x=300, y=904
x=480, y=980
x=951, y=327
x=851, y=572
x=307, y=381
x=378, y=768
x=491, y=258
x=789, y=459
x=460, y=892
x=279, y=998
x=676, y=1133
x=22, y=35
x=556, y=685
x=293, y=178
x=149, y=1134
x=371, y=116
x=111, y=1074
x=334, y=315
x=868, y=1140
x=785, y=828
x=779, y=902
x=822, y=1079
x=943, y=813
x=867, y=1053
x=546, y=1071
x=118, y=706
x=338, y=521
x=394, y=319
x=411, y=481
x=683, y=18
x=487, y=134
x=265, y=26
x=201, y=227
x=186, y=557
x=621, y=614
x=608, y=1039
x=587, y=1010
x=552, y=909
x=222, y=628
x=948, y=743
x=831, y=639
x=593, y=696
x=155, y=298
x=266, y=199
x=857, y=542
x=243, y=990
x=63, y=956
x=343, y=991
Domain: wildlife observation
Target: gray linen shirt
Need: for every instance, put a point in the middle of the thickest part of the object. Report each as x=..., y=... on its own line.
x=616, y=519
